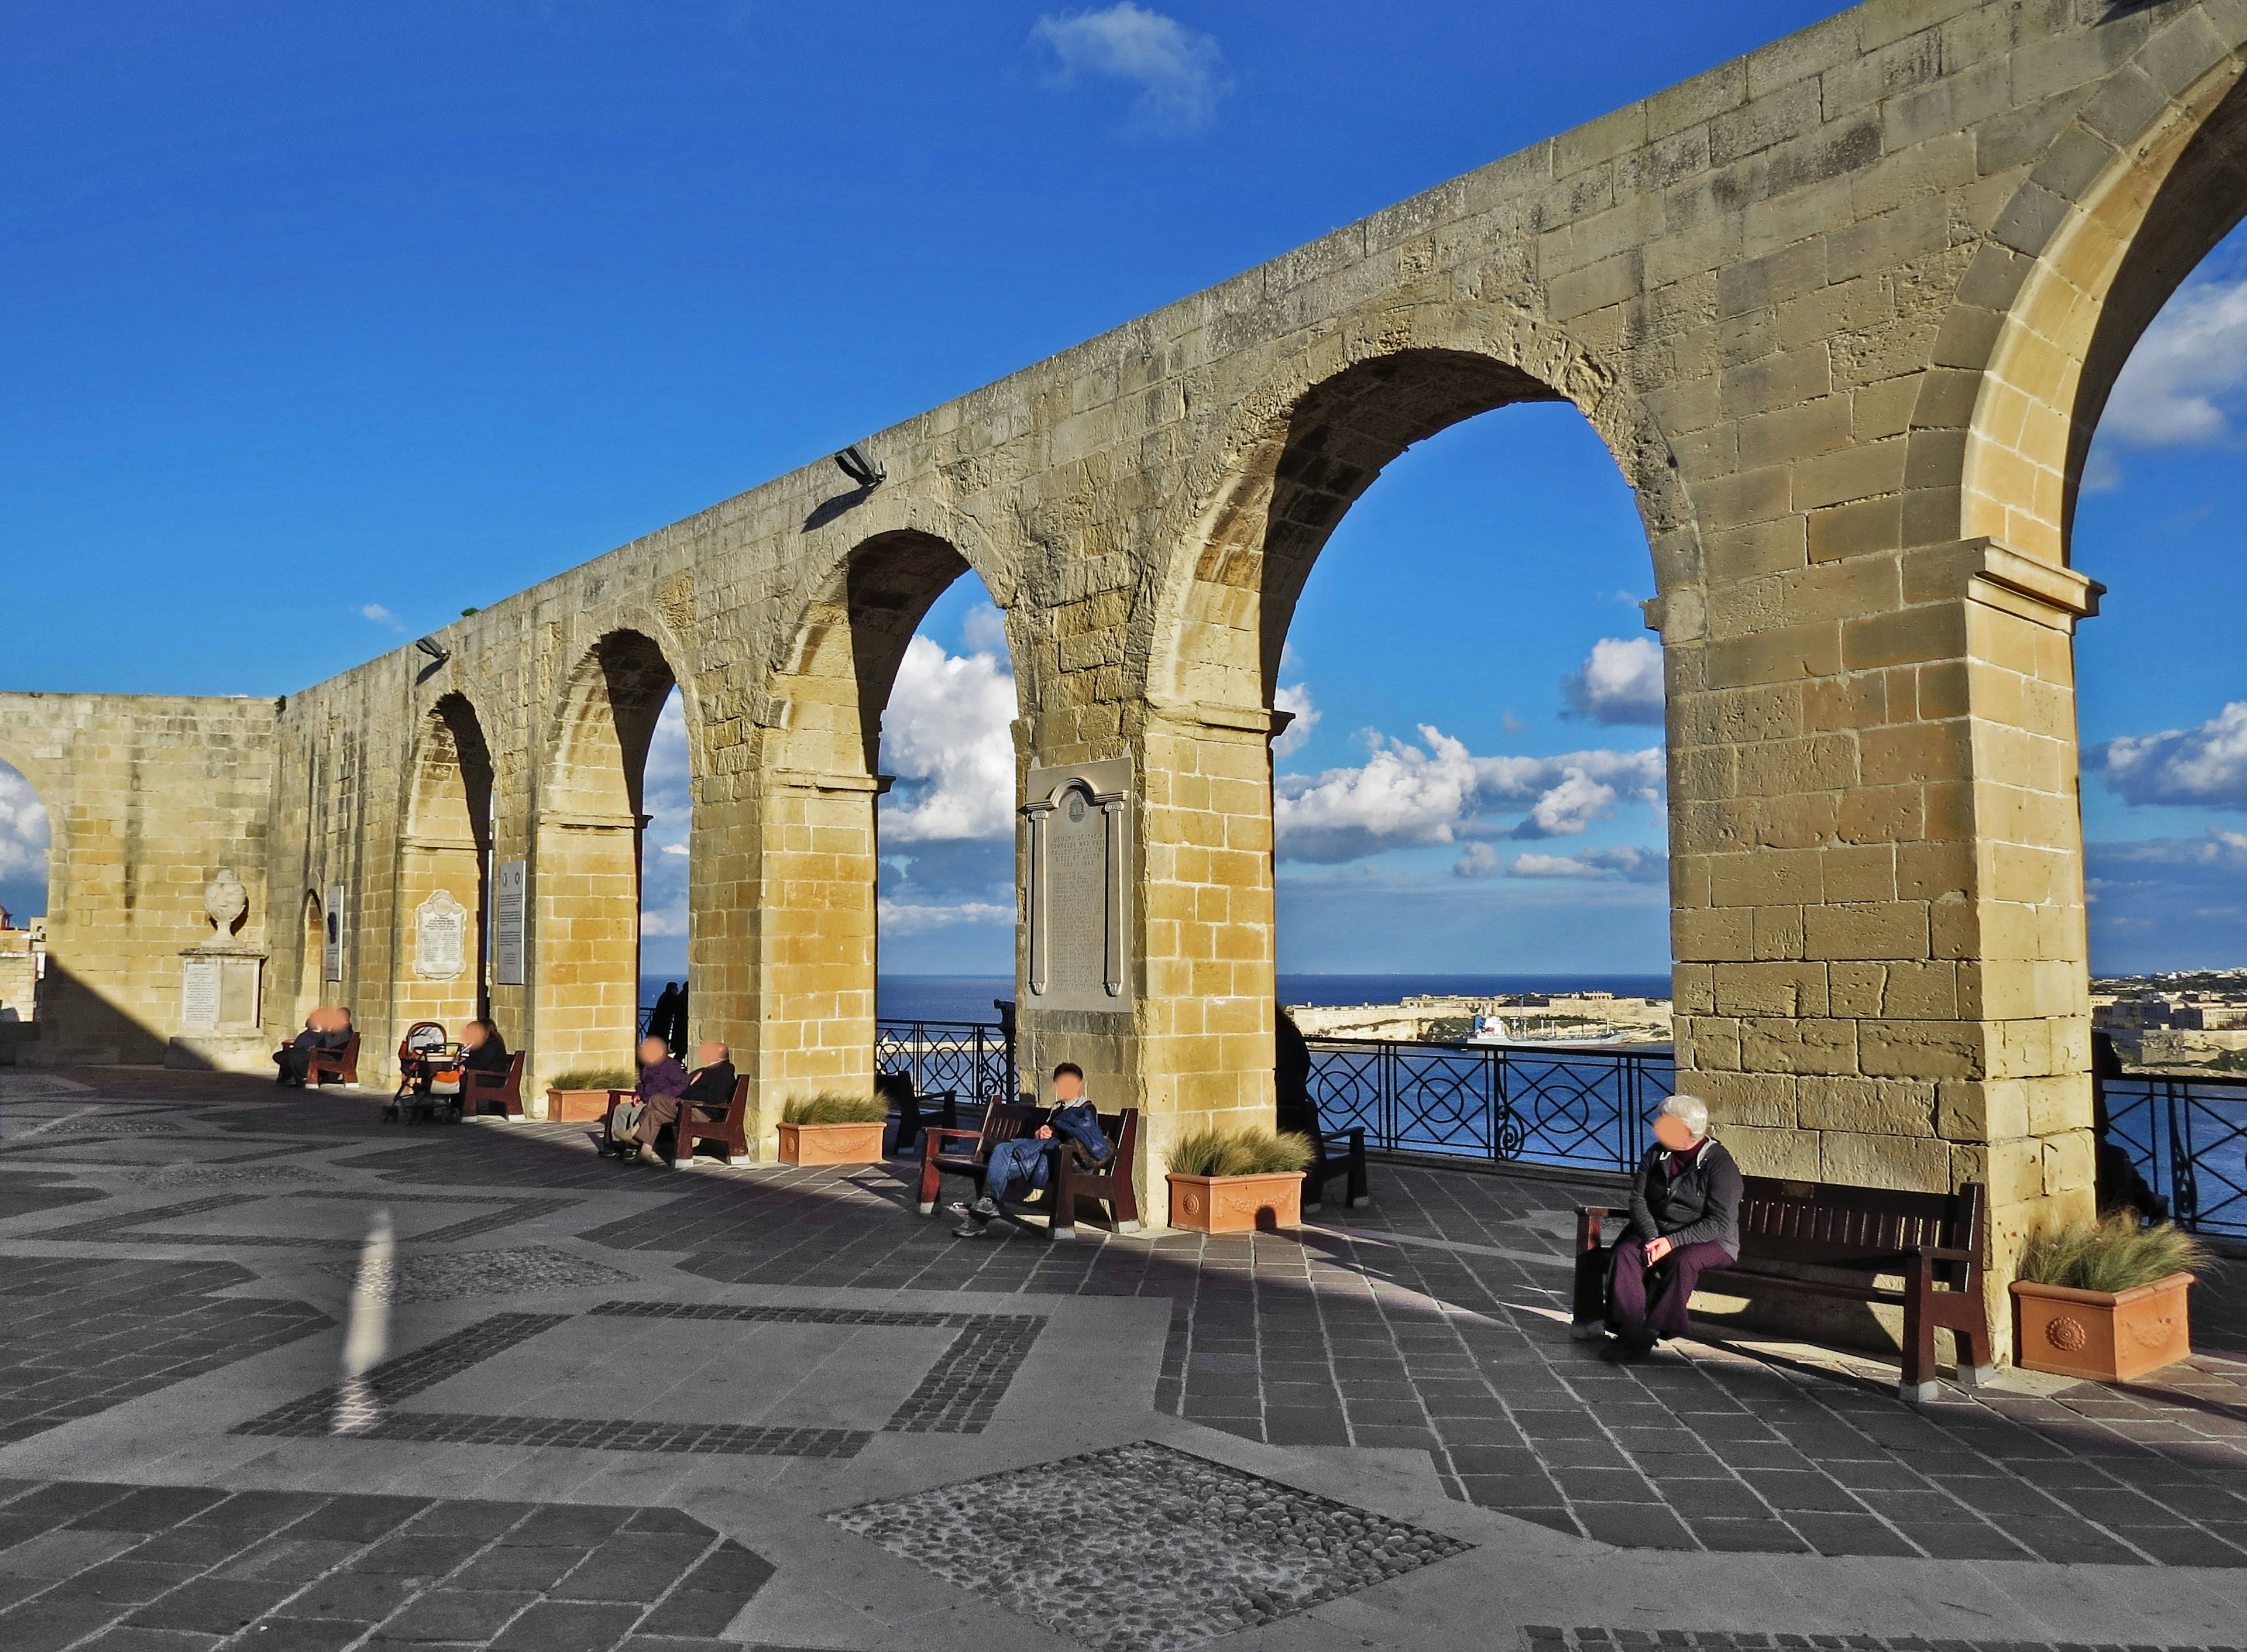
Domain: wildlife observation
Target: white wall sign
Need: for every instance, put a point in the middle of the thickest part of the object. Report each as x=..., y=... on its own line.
x=199, y=987
x=441, y=935
x=509, y=904
x=332, y=952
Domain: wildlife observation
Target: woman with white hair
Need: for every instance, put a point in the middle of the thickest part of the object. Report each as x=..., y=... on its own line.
x=1684, y=1218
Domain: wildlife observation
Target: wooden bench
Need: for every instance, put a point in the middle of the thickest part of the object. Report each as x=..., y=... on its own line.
x=1349, y=1163
x=341, y=1064
x=1076, y=1175
x=729, y=1129
x=1932, y=1242
x=897, y=1088
x=505, y=1089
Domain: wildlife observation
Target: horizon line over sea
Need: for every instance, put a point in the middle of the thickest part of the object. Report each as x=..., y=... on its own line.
x=969, y=997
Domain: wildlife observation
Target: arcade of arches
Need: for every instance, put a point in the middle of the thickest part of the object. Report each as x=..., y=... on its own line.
x=1845, y=311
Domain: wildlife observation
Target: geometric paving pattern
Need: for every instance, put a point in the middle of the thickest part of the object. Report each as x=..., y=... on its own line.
x=1143, y=1548
x=177, y=1567
x=446, y=1276
x=132, y=1229
x=959, y=1395
x=80, y=1336
x=1539, y=1637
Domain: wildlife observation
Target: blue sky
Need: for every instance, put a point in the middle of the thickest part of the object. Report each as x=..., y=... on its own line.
x=368, y=315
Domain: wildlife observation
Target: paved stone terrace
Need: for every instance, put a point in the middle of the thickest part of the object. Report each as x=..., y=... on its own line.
x=730, y=1356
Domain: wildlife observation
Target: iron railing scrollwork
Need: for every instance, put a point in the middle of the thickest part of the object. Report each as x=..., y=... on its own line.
x=972, y=1061
x=1587, y=1107
x=2187, y=1133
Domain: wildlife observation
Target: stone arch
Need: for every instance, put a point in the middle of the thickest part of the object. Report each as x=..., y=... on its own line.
x=444, y=871
x=43, y=786
x=1268, y=490
x=818, y=939
x=585, y=869
x=2124, y=207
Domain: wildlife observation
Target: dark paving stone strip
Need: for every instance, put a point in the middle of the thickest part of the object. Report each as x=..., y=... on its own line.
x=29, y=1192
x=134, y=1229
x=82, y=1335
x=290, y=1572
x=406, y=1374
x=607, y=1434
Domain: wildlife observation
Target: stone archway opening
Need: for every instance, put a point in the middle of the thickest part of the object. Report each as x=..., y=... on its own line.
x=668, y=817
x=1208, y=843
x=26, y=840
x=824, y=851
x=444, y=891
x=586, y=872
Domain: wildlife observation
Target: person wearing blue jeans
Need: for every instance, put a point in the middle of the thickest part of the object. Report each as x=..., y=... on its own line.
x=1028, y=1161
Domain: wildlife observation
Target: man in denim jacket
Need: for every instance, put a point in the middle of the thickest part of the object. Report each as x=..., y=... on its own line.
x=1028, y=1161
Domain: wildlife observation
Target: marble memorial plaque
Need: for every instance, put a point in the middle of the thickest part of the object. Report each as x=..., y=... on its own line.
x=237, y=991
x=199, y=994
x=440, y=929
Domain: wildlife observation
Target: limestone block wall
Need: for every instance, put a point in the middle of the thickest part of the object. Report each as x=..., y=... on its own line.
x=148, y=798
x=1845, y=311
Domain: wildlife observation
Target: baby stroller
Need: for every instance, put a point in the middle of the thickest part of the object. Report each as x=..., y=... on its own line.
x=428, y=1076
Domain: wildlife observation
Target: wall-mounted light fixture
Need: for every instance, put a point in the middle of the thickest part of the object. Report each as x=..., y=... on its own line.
x=859, y=468
x=428, y=646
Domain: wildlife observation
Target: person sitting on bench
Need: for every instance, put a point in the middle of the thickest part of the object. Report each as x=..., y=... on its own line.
x=1028, y=1161
x=325, y=1028
x=482, y=1050
x=662, y=1081
x=1685, y=1217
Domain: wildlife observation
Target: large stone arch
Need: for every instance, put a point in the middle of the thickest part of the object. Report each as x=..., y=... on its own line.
x=444, y=869
x=814, y=928
x=584, y=946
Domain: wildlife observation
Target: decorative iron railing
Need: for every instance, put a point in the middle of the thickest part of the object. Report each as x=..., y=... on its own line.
x=1587, y=1107
x=2187, y=1133
x=972, y=1060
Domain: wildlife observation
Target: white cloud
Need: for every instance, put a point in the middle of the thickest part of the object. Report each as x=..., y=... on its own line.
x=2205, y=765
x=2188, y=374
x=381, y=616
x=675, y=848
x=1621, y=682
x=1438, y=792
x=1622, y=863
x=1480, y=860
x=984, y=630
x=1296, y=697
x=666, y=796
x=898, y=918
x=946, y=736
x=1180, y=73
x=24, y=838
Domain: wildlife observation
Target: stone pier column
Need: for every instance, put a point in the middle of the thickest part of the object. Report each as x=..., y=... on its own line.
x=1876, y=851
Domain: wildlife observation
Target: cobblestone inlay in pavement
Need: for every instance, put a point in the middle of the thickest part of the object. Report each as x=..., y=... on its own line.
x=446, y=1276
x=101, y=1126
x=1144, y=1548
x=176, y=1566
x=134, y=1229
x=81, y=1336
x=1538, y=1637
x=222, y=1175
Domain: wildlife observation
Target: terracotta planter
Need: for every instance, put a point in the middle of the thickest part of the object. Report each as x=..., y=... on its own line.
x=831, y=1144
x=1234, y=1203
x=2106, y=1336
x=563, y=1106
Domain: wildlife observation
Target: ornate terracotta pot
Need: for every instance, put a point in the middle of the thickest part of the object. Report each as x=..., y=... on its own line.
x=2106, y=1336
x=831, y=1144
x=1236, y=1203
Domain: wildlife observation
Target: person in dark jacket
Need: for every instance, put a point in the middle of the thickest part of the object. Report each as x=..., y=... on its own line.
x=1291, y=1079
x=482, y=1050
x=1685, y=1218
x=1028, y=1160
x=655, y=1103
x=325, y=1028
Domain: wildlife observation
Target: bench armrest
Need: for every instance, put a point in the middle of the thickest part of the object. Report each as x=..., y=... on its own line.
x=932, y=1130
x=1588, y=1217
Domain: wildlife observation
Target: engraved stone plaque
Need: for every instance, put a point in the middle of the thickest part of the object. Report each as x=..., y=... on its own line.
x=237, y=991
x=199, y=994
x=1077, y=865
x=440, y=928
x=507, y=906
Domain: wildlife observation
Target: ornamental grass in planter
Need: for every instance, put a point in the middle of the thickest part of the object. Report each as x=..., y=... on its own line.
x=2105, y=1300
x=1239, y=1181
x=582, y=1092
x=832, y=1128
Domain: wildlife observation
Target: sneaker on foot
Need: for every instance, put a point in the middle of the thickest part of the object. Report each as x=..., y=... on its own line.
x=986, y=1208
